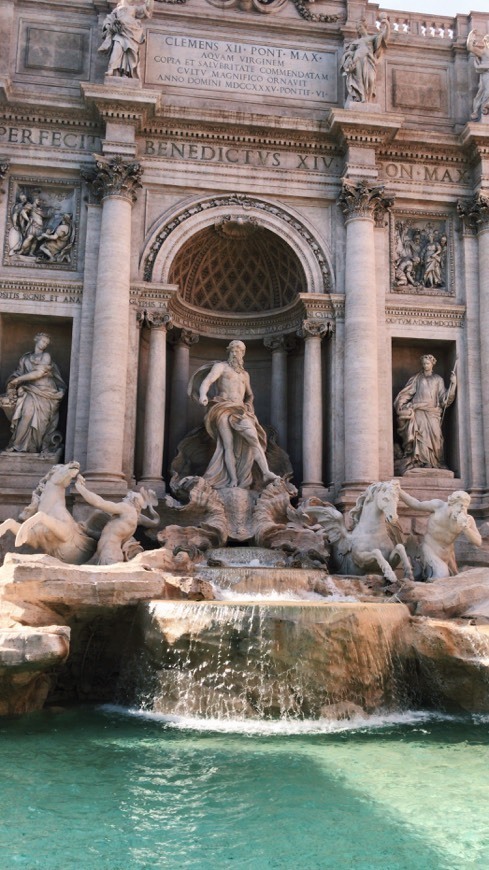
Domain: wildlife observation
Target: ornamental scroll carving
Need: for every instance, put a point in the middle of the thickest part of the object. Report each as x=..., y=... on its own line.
x=474, y=213
x=114, y=176
x=157, y=319
x=420, y=255
x=267, y=7
x=42, y=223
x=315, y=329
x=360, y=199
x=246, y=203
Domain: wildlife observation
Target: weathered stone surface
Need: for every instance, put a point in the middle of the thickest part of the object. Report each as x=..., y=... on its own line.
x=25, y=655
x=82, y=589
x=226, y=659
x=453, y=664
x=464, y=596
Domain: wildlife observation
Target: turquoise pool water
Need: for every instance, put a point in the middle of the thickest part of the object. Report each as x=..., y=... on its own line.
x=90, y=789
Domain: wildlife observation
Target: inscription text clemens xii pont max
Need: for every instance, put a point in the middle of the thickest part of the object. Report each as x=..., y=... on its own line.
x=214, y=65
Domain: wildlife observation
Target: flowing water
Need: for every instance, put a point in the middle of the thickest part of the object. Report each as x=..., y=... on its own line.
x=110, y=790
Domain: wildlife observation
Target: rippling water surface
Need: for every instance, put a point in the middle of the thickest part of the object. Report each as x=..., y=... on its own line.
x=117, y=790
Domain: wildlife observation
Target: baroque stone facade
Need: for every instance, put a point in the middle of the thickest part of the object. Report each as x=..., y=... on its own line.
x=312, y=179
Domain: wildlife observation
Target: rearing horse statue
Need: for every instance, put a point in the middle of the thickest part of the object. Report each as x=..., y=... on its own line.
x=374, y=541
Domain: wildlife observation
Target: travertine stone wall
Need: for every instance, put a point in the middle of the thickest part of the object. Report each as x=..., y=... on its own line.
x=239, y=124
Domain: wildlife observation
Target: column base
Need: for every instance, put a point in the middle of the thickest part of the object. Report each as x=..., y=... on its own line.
x=318, y=490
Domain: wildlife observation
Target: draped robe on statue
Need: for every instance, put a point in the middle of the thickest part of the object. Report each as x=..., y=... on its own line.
x=35, y=418
x=240, y=418
x=419, y=426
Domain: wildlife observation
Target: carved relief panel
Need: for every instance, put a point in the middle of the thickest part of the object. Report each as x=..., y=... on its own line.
x=422, y=254
x=42, y=225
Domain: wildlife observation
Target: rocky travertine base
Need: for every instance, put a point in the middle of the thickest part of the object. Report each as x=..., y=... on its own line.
x=465, y=596
x=26, y=655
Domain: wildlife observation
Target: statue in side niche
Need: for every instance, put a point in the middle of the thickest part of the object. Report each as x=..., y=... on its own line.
x=124, y=35
x=447, y=521
x=34, y=392
x=420, y=407
x=478, y=47
x=360, y=59
x=231, y=422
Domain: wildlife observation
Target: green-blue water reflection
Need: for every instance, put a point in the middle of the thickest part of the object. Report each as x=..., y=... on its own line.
x=97, y=789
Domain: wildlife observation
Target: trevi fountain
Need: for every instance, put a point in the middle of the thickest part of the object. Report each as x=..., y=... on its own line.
x=244, y=435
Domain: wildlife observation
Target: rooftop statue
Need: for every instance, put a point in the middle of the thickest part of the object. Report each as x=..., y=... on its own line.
x=478, y=47
x=124, y=35
x=34, y=393
x=231, y=422
x=447, y=521
x=360, y=59
x=420, y=407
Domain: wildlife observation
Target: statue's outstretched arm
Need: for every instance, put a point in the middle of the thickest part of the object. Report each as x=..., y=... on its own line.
x=95, y=500
x=416, y=504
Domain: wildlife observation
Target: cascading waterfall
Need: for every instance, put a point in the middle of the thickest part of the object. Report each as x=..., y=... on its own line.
x=224, y=660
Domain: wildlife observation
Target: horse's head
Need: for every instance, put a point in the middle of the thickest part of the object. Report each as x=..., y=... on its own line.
x=62, y=475
x=386, y=498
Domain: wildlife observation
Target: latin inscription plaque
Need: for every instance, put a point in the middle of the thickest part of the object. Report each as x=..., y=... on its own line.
x=253, y=70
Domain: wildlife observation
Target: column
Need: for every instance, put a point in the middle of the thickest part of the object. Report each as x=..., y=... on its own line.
x=312, y=408
x=179, y=385
x=279, y=345
x=155, y=405
x=361, y=204
x=115, y=181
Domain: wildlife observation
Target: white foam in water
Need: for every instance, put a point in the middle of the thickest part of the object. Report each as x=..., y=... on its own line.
x=272, y=727
x=230, y=595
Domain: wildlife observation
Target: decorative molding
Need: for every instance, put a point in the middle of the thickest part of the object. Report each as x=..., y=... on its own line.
x=245, y=202
x=4, y=167
x=474, y=213
x=360, y=199
x=265, y=7
x=304, y=11
x=452, y=316
x=114, y=176
x=41, y=291
x=315, y=329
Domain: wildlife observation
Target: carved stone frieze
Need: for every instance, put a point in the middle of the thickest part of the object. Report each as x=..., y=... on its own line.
x=266, y=7
x=360, y=199
x=42, y=224
x=114, y=176
x=474, y=213
x=421, y=254
x=40, y=291
x=417, y=315
x=245, y=202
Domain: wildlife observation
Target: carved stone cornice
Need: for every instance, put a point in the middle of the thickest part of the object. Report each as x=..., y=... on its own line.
x=114, y=176
x=283, y=343
x=156, y=319
x=474, y=213
x=360, y=199
x=425, y=315
x=315, y=329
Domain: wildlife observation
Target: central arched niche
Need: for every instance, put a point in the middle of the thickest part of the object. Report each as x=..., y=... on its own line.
x=237, y=267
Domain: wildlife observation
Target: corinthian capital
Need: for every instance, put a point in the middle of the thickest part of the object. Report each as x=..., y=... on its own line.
x=114, y=176
x=360, y=199
x=474, y=213
x=280, y=342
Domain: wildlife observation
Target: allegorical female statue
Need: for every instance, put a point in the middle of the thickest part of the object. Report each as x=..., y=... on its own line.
x=420, y=407
x=124, y=36
x=360, y=59
x=34, y=393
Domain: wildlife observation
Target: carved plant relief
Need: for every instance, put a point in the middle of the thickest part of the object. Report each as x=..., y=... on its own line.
x=42, y=224
x=420, y=255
